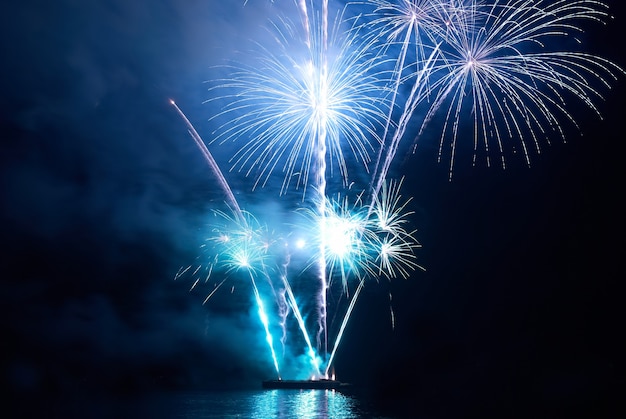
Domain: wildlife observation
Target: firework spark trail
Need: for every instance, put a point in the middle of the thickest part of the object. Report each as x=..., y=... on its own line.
x=321, y=190
x=391, y=313
x=325, y=23
x=319, y=104
x=344, y=322
x=424, y=23
x=419, y=90
x=212, y=292
x=283, y=304
x=265, y=322
x=296, y=311
x=408, y=21
x=212, y=163
x=293, y=304
x=398, y=71
x=283, y=314
x=306, y=23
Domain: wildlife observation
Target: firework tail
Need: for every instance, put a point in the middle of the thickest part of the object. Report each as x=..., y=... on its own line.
x=322, y=151
x=214, y=290
x=343, y=325
x=292, y=303
x=321, y=133
x=322, y=298
x=414, y=98
x=265, y=322
x=398, y=71
x=212, y=163
x=304, y=13
x=300, y=320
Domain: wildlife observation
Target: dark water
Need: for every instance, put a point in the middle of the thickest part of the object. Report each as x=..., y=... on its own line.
x=285, y=404
x=271, y=404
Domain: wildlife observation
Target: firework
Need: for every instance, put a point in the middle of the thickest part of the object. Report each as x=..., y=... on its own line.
x=372, y=242
x=511, y=79
x=238, y=244
x=410, y=32
x=316, y=101
x=363, y=240
x=290, y=107
x=359, y=243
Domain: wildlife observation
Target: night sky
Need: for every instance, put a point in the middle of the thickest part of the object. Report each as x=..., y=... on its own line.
x=105, y=196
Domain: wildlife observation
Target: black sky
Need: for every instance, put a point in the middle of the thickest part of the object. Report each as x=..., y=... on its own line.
x=104, y=196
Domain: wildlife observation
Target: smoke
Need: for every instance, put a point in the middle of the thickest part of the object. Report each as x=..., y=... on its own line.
x=104, y=196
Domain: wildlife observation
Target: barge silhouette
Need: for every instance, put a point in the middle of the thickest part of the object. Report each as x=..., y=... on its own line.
x=316, y=384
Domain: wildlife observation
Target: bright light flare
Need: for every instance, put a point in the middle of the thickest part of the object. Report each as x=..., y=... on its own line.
x=367, y=240
x=341, y=232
